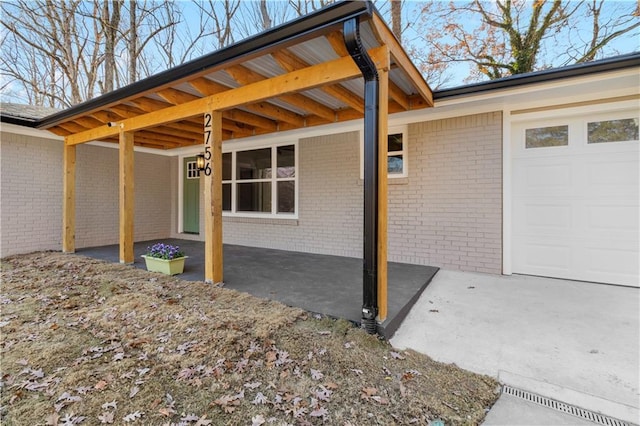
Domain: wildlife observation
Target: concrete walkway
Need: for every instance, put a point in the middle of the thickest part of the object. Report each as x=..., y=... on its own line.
x=575, y=342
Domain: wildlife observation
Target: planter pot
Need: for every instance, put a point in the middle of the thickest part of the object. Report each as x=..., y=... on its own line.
x=169, y=267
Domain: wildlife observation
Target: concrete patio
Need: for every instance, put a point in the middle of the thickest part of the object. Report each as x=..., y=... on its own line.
x=329, y=285
x=574, y=342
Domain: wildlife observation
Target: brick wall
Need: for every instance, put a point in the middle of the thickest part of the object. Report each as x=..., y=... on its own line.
x=330, y=203
x=31, y=195
x=447, y=212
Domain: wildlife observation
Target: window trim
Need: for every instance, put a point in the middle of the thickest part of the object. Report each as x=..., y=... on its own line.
x=233, y=150
x=404, y=130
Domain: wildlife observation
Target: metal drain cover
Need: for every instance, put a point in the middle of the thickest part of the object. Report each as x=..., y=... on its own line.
x=562, y=407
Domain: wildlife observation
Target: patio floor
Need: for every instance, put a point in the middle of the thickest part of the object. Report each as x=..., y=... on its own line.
x=329, y=285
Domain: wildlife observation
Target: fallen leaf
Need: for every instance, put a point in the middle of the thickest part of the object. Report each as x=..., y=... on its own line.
x=368, y=392
x=113, y=404
x=168, y=412
x=134, y=390
x=396, y=355
x=319, y=412
x=258, y=420
x=106, y=417
x=101, y=385
x=316, y=374
x=132, y=417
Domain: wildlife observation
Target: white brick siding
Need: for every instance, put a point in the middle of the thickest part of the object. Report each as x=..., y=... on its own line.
x=31, y=195
x=447, y=212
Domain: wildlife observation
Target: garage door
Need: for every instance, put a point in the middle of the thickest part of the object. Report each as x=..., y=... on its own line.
x=576, y=197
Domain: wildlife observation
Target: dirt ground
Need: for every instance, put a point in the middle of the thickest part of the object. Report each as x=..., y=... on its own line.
x=88, y=342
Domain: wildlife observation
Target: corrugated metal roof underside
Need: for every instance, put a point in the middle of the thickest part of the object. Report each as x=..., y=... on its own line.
x=320, y=105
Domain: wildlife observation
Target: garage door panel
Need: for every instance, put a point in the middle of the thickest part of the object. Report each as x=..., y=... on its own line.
x=545, y=258
x=613, y=218
x=576, y=210
x=619, y=261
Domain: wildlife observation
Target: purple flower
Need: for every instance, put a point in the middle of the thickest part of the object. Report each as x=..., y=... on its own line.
x=164, y=251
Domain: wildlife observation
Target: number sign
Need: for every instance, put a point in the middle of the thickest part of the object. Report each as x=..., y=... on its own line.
x=208, y=128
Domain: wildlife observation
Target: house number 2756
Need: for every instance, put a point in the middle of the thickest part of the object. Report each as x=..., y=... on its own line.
x=207, y=144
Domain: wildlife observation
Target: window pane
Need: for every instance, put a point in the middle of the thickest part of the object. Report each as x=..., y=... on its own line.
x=226, y=197
x=286, y=197
x=395, y=142
x=254, y=197
x=613, y=131
x=254, y=164
x=226, y=166
x=286, y=161
x=547, y=136
x=395, y=164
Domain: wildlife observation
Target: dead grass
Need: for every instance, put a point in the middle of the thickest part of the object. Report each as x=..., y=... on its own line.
x=89, y=342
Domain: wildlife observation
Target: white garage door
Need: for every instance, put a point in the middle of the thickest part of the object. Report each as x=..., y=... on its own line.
x=576, y=198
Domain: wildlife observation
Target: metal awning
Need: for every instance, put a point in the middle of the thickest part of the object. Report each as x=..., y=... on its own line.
x=293, y=76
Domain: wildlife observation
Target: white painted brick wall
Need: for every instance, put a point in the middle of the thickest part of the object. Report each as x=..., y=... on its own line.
x=447, y=212
x=31, y=195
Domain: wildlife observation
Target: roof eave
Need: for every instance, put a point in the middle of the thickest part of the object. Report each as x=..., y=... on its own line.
x=610, y=64
x=302, y=28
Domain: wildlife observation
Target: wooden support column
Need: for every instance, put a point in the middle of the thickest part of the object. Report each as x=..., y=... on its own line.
x=69, y=202
x=383, y=120
x=126, y=182
x=213, y=197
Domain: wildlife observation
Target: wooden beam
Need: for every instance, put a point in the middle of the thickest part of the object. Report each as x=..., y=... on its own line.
x=126, y=183
x=401, y=58
x=69, y=199
x=245, y=76
x=336, y=39
x=398, y=95
x=213, y=197
x=291, y=62
x=383, y=209
x=308, y=78
x=262, y=109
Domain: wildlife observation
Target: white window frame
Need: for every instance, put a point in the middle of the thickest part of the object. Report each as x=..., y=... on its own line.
x=273, y=179
x=405, y=142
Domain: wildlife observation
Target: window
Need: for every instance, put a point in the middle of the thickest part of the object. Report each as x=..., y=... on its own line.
x=544, y=137
x=192, y=170
x=613, y=131
x=396, y=152
x=250, y=186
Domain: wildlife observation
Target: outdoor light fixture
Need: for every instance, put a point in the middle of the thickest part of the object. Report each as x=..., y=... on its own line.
x=200, y=161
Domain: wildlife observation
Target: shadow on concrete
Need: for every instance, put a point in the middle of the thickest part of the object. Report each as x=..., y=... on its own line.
x=329, y=285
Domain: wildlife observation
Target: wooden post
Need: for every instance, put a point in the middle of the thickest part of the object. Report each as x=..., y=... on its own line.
x=213, y=197
x=126, y=181
x=383, y=118
x=69, y=202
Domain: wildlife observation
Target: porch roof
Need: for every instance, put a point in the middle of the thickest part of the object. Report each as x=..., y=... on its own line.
x=296, y=75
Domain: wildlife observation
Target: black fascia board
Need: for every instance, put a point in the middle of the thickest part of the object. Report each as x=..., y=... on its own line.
x=19, y=121
x=609, y=64
x=300, y=29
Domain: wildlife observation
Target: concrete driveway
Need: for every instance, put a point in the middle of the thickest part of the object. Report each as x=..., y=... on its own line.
x=574, y=342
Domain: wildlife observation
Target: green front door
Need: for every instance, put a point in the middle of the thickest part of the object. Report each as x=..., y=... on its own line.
x=191, y=197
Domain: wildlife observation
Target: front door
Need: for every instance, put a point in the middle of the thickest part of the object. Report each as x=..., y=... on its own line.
x=191, y=197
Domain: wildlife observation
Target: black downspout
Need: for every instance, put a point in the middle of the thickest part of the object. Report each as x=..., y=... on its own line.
x=351, y=31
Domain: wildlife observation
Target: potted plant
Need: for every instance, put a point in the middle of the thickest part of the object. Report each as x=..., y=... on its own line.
x=165, y=258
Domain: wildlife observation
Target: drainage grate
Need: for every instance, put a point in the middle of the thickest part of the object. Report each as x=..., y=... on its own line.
x=565, y=408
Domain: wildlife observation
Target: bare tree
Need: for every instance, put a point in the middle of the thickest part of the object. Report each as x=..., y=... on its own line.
x=517, y=36
x=51, y=45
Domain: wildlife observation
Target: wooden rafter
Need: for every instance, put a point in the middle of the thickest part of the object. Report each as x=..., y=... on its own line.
x=291, y=62
x=325, y=73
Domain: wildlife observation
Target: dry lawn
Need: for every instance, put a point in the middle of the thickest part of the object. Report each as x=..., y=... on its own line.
x=88, y=342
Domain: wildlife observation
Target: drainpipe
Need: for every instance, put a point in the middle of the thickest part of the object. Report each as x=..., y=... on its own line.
x=351, y=32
